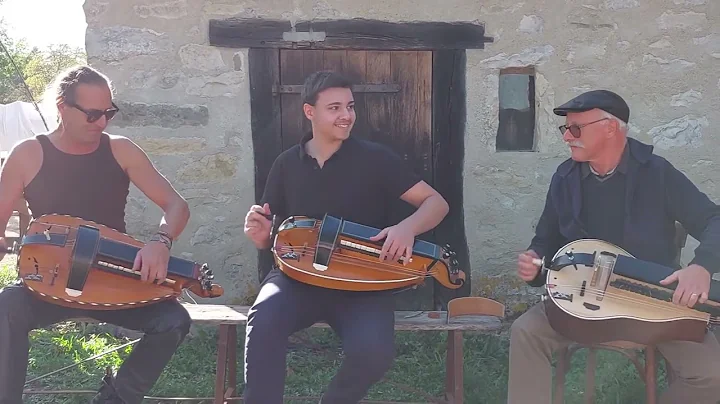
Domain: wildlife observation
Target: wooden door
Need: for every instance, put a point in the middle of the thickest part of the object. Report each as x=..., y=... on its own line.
x=393, y=103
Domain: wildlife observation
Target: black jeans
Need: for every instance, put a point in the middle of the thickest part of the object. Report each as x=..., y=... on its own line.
x=165, y=325
x=363, y=320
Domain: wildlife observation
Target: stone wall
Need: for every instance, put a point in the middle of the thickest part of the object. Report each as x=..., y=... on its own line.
x=187, y=103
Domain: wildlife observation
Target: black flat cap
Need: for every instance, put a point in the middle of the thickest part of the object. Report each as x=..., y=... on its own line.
x=602, y=99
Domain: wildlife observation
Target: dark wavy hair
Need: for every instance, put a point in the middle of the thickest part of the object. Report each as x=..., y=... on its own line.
x=322, y=80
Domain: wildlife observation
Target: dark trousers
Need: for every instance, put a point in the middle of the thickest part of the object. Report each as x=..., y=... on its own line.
x=165, y=325
x=364, y=322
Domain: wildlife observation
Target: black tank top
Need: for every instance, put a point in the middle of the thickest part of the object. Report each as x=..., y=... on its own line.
x=90, y=186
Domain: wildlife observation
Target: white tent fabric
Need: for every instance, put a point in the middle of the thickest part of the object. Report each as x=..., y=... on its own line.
x=18, y=120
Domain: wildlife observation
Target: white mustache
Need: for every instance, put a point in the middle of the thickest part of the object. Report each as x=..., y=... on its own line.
x=576, y=143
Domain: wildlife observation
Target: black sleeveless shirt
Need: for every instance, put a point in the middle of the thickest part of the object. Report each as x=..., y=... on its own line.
x=90, y=186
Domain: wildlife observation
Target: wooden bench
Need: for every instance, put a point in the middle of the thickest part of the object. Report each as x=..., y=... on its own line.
x=463, y=314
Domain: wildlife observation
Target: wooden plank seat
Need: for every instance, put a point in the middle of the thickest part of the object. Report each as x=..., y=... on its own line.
x=464, y=314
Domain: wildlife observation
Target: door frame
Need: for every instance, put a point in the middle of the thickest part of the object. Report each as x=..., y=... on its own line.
x=448, y=41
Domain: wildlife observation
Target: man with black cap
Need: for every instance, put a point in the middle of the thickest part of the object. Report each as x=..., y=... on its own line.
x=614, y=188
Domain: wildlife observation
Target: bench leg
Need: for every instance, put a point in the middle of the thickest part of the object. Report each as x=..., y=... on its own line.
x=590, y=376
x=563, y=363
x=232, y=362
x=454, y=368
x=650, y=375
x=226, y=369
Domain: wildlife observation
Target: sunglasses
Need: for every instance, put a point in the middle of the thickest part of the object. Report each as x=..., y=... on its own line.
x=95, y=114
x=575, y=129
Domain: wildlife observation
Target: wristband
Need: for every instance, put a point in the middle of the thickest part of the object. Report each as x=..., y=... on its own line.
x=163, y=238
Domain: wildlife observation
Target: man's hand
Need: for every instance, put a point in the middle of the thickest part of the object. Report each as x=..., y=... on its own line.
x=257, y=225
x=152, y=261
x=527, y=270
x=399, y=241
x=693, y=285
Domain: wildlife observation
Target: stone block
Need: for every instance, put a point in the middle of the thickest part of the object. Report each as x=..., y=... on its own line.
x=670, y=65
x=686, y=99
x=683, y=131
x=687, y=21
x=711, y=44
x=115, y=44
x=171, y=146
x=203, y=58
x=168, y=10
x=225, y=85
x=531, y=56
x=531, y=24
x=620, y=4
x=164, y=115
x=220, y=166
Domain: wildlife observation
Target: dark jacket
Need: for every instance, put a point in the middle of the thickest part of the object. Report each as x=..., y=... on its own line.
x=657, y=195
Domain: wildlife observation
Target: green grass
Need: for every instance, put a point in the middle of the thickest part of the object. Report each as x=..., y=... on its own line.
x=313, y=357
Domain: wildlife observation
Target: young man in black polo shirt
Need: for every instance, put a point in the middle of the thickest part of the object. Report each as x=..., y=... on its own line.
x=614, y=188
x=332, y=172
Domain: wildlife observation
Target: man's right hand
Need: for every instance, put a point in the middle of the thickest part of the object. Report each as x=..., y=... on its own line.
x=527, y=270
x=257, y=225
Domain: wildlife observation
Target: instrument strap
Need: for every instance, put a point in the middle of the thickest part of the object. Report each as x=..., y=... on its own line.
x=87, y=242
x=327, y=239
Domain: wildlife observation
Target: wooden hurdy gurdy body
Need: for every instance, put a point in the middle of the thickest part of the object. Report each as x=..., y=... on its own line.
x=76, y=263
x=598, y=292
x=338, y=254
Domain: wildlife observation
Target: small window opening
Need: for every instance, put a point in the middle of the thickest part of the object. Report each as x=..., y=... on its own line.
x=516, y=129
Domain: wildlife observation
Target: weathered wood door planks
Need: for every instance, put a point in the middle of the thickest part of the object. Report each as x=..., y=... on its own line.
x=410, y=100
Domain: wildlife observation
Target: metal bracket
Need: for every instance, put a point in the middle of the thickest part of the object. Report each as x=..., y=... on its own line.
x=358, y=88
x=303, y=40
x=294, y=36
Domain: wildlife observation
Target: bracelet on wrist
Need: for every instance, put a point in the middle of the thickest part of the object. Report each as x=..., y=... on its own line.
x=163, y=239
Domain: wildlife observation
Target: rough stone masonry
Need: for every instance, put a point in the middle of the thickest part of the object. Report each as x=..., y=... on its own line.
x=187, y=103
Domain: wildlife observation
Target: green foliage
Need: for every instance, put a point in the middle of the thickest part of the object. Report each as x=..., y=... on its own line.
x=313, y=358
x=7, y=274
x=37, y=66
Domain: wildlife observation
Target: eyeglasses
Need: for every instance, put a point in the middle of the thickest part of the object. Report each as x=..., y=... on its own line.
x=575, y=129
x=95, y=114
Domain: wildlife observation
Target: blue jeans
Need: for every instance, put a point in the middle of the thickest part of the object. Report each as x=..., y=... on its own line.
x=364, y=322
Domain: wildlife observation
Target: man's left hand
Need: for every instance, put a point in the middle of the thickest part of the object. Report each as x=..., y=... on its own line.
x=399, y=241
x=152, y=261
x=693, y=285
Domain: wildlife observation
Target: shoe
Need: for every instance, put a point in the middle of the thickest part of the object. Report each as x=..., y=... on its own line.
x=107, y=393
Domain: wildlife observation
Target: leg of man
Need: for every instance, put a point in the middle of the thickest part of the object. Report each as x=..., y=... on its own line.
x=282, y=307
x=365, y=322
x=532, y=344
x=165, y=325
x=697, y=370
x=21, y=312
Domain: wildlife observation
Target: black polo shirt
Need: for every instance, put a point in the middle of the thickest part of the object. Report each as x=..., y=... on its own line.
x=360, y=182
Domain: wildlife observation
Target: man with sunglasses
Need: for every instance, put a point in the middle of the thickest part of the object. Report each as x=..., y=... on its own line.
x=79, y=170
x=616, y=189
